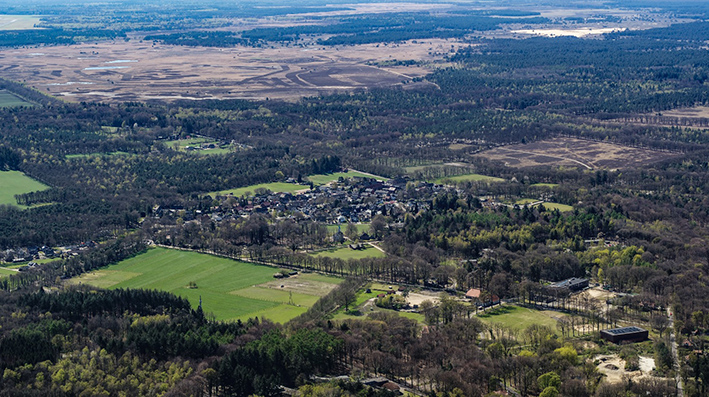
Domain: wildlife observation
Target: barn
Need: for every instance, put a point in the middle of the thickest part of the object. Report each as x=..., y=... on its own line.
x=624, y=335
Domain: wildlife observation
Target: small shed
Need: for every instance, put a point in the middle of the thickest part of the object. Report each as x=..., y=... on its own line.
x=625, y=335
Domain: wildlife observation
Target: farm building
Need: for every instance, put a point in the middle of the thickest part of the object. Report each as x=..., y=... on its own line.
x=573, y=284
x=625, y=334
x=473, y=293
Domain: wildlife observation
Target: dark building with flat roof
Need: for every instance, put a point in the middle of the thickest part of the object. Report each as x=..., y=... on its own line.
x=625, y=334
x=573, y=284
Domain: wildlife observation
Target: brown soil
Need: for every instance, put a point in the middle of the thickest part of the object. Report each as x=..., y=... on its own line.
x=570, y=152
x=135, y=70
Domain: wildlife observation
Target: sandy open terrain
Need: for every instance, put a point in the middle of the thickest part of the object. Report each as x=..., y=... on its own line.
x=695, y=112
x=570, y=152
x=416, y=298
x=128, y=71
x=613, y=367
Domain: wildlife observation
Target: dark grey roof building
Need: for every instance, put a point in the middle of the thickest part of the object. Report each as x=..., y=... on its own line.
x=573, y=284
x=625, y=334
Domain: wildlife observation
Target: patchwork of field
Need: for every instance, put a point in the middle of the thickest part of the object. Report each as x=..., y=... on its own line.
x=8, y=99
x=142, y=71
x=15, y=182
x=348, y=253
x=570, y=152
x=229, y=289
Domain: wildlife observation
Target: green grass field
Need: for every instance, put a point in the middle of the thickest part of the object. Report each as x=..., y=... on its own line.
x=549, y=185
x=8, y=99
x=520, y=318
x=87, y=155
x=6, y=272
x=548, y=205
x=15, y=182
x=348, y=253
x=18, y=22
x=194, y=145
x=469, y=178
x=416, y=168
x=361, y=228
x=560, y=207
x=229, y=289
x=276, y=187
x=322, y=179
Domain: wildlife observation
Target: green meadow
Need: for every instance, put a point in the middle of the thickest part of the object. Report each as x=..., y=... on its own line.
x=519, y=318
x=276, y=187
x=229, y=289
x=348, y=253
x=15, y=182
x=18, y=22
x=322, y=179
x=8, y=99
x=469, y=178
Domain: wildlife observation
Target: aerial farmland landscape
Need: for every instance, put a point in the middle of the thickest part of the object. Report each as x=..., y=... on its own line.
x=440, y=198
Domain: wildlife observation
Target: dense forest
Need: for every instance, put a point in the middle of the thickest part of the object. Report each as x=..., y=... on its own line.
x=119, y=181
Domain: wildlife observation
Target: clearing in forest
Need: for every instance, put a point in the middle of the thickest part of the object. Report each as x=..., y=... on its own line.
x=469, y=178
x=230, y=289
x=519, y=318
x=18, y=22
x=275, y=187
x=15, y=182
x=348, y=253
x=577, y=153
x=323, y=179
x=8, y=99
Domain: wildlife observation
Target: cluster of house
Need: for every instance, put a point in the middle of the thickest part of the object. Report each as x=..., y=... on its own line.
x=353, y=200
x=29, y=254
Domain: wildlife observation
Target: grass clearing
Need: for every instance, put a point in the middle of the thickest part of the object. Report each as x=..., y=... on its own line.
x=18, y=22
x=230, y=289
x=15, y=182
x=276, y=187
x=361, y=228
x=278, y=296
x=416, y=168
x=201, y=145
x=525, y=201
x=87, y=155
x=558, y=206
x=4, y=272
x=8, y=99
x=468, y=178
x=549, y=185
x=323, y=179
x=520, y=318
x=320, y=278
x=298, y=285
x=348, y=253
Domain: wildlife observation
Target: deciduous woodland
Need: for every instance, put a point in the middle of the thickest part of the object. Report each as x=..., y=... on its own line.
x=466, y=233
